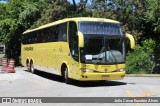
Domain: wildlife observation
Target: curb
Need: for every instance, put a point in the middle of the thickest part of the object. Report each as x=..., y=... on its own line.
x=142, y=75
x=2, y=72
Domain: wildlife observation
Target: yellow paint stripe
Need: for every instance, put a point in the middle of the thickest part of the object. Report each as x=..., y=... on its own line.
x=130, y=94
x=145, y=94
x=150, y=93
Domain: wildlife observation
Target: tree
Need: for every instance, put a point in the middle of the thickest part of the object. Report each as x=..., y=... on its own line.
x=140, y=60
x=16, y=17
x=60, y=9
x=138, y=17
x=152, y=18
x=129, y=12
x=80, y=7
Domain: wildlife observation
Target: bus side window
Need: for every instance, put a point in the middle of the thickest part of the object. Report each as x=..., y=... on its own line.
x=62, y=32
x=23, y=39
x=29, y=38
x=43, y=32
x=49, y=35
x=33, y=38
x=39, y=36
x=56, y=33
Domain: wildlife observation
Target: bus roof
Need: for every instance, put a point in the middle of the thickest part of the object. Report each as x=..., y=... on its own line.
x=77, y=19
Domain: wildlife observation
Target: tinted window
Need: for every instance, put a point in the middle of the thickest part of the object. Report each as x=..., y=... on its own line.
x=100, y=28
x=49, y=34
x=62, y=32
x=73, y=40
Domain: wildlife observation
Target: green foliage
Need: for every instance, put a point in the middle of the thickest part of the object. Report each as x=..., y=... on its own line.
x=60, y=9
x=152, y=14
x=7, y=29
x=15, y=18
x=129, y=12
x=55, y=10
x=139, y=61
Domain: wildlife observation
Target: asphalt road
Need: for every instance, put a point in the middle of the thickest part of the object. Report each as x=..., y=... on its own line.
x=25, y=84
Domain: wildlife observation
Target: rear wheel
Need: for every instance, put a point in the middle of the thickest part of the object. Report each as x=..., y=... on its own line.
x=67, y=80
x=32, y=68
x=28, y=66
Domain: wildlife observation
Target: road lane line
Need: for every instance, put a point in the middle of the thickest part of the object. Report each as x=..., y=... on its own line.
x=130, y=94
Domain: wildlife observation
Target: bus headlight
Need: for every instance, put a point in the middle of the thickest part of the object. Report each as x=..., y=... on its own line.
x=87, y=70
x=120, y=70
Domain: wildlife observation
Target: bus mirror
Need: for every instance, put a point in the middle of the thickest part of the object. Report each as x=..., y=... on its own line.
x=132, y=40
x=80, y=39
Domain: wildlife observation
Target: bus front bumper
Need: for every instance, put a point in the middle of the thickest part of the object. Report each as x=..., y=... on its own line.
x=102, y=76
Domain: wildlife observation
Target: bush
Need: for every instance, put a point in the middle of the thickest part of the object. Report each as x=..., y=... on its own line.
x=140, y=60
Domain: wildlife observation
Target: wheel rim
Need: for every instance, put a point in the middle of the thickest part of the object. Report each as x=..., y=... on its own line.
x=66, y=74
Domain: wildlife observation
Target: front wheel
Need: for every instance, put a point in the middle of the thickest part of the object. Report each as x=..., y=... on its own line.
x=67, y=80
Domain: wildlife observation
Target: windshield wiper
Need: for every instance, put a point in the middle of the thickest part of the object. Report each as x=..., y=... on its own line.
x=112, y=54
x=98, y=58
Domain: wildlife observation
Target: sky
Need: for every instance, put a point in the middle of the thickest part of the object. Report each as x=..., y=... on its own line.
x=4, y=1
x=77, y=1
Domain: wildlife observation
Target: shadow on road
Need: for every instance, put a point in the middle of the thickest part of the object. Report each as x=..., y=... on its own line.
x=49, y=76
x=97, y=83
x=79, y=83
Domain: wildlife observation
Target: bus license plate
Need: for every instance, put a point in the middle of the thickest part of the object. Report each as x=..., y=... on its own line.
x=105, y=76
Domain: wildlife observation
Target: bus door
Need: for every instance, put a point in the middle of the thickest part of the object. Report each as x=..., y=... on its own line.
x=73, y=44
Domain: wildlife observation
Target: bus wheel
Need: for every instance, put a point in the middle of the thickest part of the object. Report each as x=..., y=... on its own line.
x=32, y=68
x=28, y=66
x=67, y=80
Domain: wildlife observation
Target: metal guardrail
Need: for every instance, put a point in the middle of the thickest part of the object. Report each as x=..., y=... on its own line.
x=1, y=57
x=0, y=61
x=156, y=67
x=156, y=57
x=2, y=52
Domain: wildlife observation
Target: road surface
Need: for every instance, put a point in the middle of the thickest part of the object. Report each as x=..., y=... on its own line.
x=25, y=84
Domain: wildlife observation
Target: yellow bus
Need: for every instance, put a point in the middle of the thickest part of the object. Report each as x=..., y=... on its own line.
x=82, y=48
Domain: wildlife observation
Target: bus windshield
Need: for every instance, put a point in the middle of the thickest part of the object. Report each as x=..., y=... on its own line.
x=104, y=43
x=103, y=28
